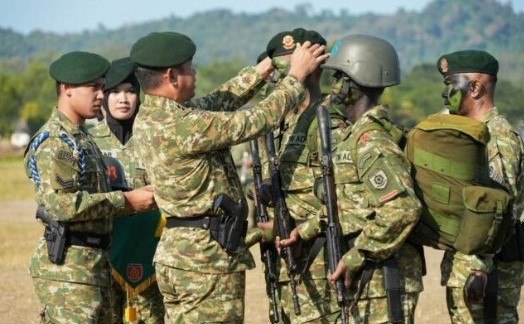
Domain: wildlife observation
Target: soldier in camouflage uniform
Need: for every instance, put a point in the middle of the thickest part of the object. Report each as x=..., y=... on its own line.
x=294, y=159
x=184, y=144
x=377, y=204
x=113, y=137
x=70, y=182
x=470, y=77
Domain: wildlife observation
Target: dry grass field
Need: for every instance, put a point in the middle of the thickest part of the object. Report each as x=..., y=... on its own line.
x=19, y=232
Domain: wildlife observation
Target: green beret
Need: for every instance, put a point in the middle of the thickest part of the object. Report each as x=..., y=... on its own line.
x=284, y=42
x=466, y=62
x=162, y=50
x=119, y=71
x=78, y=68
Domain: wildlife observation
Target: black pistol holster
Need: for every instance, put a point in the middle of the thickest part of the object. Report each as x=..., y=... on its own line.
x=232, y=228
x=55, y=235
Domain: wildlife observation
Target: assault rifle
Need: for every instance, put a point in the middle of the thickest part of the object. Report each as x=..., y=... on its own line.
x=333, y=232
x=282, y=218
x=268, y=253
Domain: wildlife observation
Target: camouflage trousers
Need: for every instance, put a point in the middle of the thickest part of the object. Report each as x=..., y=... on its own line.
x=316, y=298
x=375, y=310
x=148, y=304
x=511, y=278
x=194, y=297
x=457, y=309
x=69, y=302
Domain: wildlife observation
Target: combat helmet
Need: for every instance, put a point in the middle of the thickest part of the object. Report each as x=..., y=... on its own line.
x=115, y=174
x=368, y=60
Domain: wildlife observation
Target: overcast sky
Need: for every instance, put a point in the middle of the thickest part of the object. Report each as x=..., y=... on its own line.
x=66, y=16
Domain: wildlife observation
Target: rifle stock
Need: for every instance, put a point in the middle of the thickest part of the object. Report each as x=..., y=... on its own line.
x=282, y=218
x=333, y=231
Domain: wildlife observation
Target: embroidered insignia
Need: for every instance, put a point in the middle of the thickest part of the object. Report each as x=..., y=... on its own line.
x=135, y=272
x=444, y=65
x=66, y=156
x=363, y=138
x=363, y=160
x=388, y=196
x=288, y=42
x=379, y=180
x=64, y=183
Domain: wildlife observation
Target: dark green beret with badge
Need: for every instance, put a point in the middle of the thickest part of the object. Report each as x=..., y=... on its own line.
x=469, y=61
x=119, y=71
x=162, y=50
x=78, y=68
x=285, y=42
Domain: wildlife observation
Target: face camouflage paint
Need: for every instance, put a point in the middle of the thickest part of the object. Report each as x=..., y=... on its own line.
x=456, y=87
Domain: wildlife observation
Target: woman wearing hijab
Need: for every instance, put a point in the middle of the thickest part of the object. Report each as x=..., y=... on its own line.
x=136, y=296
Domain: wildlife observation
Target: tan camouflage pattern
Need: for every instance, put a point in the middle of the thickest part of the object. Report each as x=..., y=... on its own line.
x=64, y=303
x=186, y=154
x=195, y=164
x=193, y=297
x=375, y=310
x=505, y=150
x=459, y=312
x=316, y=302
x=148, y=304
x=87, y=207
x=109, y=145
x=298, y=166
x=382, y=214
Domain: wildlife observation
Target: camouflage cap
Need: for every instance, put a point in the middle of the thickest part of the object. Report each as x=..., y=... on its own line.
x=162, y=50
x=119, y=71
x=285, y=42
x=78, y=67
x=466, y=62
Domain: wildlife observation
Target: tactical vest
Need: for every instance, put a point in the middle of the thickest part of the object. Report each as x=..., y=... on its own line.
x=463, y=209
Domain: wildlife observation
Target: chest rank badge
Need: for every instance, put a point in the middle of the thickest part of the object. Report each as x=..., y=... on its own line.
x=379, y=179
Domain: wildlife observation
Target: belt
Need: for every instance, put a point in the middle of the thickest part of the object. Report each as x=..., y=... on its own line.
x=205, y=221
x=98, y=241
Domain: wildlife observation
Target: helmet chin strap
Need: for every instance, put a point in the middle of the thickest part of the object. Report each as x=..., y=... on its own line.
x=340, y=90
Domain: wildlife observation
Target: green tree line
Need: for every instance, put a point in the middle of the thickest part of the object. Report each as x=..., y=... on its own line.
x=31, y=95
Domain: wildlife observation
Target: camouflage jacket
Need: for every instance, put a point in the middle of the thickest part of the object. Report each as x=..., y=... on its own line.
x=376, y=201
x=505, y=154
x=125, y=153
x=185, y=149
x=70, y=182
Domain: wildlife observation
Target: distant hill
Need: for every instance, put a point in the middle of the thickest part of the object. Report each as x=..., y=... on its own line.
x=420, y=37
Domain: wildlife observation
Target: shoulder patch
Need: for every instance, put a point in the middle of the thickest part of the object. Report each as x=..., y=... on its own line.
x=66, y=156
x=378, y=179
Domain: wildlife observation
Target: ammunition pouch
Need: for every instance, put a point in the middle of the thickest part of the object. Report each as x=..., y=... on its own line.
x=513, y=249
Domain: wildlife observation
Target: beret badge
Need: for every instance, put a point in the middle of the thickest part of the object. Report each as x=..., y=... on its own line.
x=444, y=65
x=288, y=42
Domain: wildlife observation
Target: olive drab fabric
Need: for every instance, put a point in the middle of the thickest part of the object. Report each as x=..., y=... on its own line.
x=463, y=208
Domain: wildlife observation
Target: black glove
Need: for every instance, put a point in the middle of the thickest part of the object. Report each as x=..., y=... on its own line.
x=266, y=194
x=474, y=288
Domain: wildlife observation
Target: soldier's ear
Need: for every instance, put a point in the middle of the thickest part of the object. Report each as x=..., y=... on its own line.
x=66, y=89
x=172, y=75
